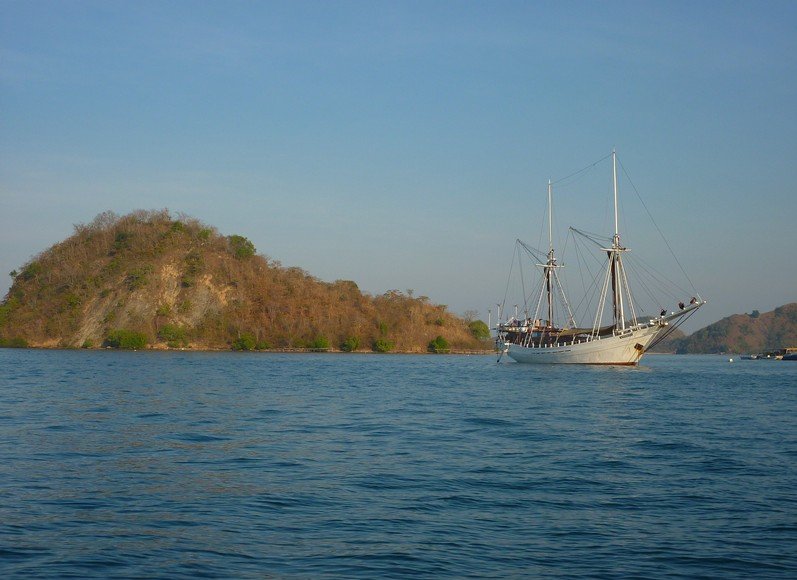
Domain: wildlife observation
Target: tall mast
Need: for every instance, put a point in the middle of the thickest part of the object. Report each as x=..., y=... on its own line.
x=551, y=261
x=614, y=180
x=550, y=219
x=617, y=279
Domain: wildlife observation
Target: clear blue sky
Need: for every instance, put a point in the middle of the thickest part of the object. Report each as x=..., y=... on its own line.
x=407, y=144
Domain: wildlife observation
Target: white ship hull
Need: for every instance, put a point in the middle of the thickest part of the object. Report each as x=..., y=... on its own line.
x=623, y=349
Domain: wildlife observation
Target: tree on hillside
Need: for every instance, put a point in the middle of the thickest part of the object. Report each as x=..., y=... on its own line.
x=241, y=247
x=479, y=329
x=439, y=345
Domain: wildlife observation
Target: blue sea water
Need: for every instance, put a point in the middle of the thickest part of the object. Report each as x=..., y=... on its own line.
x=168, y=465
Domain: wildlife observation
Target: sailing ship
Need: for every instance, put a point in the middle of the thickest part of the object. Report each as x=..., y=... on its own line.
x=538, y=338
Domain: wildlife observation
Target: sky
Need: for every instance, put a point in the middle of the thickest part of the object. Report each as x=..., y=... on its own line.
x=406, y=145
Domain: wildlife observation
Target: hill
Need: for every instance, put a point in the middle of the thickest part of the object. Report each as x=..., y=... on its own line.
x=151, y=279
x=745, y=333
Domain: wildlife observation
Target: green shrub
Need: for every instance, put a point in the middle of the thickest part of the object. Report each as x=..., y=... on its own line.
x=171, y=332
x=383, y=345
x=245, y=341
x=5, y=309
x=439, y=345
x=193, y=266
x=479, y=329
x=263, y=345
x=113, y=266
x=241, y=247
x=88, y=343
x=16, y=342
x=72, y=301
x=350, y=344
x=126, y=339
x=122, y=241
x=31, y=271
x=320, y=343
x=174, y=335
x=138, y=277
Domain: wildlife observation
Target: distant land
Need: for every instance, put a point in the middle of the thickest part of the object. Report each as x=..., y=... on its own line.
x=153, y=280
x=741, y=333
x=744, y=333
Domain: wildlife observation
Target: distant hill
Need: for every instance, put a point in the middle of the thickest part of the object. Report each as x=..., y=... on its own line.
x=745, y=333
x=149, y=279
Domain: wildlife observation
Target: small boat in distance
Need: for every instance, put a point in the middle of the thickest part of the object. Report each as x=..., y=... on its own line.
x=789, y=353
x=539, y=338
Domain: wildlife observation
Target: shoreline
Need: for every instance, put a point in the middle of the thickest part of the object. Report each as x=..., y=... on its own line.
x=286, y=350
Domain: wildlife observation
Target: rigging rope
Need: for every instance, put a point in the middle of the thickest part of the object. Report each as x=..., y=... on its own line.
x=658, y=229
x=522, y=277
x=588, y=293
x=671, y=328
x=508, y=279
x=641, y=282
x=587, y=168
x=599, y=240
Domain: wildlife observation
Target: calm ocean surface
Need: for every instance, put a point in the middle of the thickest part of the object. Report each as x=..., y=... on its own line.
x=144, y=464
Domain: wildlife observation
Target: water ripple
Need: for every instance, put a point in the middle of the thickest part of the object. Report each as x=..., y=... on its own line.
x=185, y=465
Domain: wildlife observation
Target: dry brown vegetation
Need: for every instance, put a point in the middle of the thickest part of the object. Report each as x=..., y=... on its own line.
x=179, y=282
x=746, y=333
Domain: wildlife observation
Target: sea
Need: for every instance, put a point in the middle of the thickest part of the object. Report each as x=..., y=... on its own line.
x=255, y=465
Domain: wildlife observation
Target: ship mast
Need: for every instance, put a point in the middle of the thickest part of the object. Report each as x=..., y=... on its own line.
x=616, y=274
x=550, y=281
x=619, y=314
x=551, y=264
